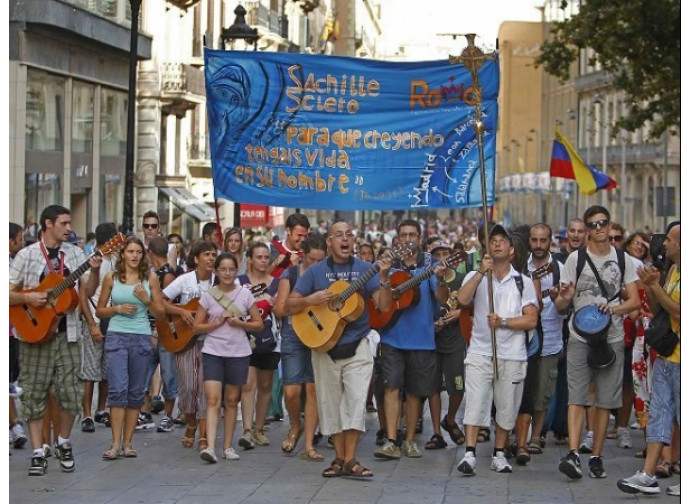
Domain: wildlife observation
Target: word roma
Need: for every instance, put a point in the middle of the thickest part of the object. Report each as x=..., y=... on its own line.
x=312, y=87
x=262, y=176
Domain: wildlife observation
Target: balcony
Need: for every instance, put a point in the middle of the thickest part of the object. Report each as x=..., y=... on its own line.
x=183, y=4
x=182, y=88
x=199, y=157
x=266, y=20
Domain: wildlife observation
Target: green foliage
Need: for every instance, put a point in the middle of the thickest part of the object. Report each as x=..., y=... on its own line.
x=638, y=43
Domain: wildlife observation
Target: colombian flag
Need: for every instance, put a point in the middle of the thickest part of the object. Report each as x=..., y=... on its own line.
x=567, y=163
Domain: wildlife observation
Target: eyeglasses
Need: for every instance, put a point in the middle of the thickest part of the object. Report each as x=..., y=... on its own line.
x=227, y=271
x=149, y=226
x=405, y=236
x=616, y=238
x=340, y=234
x=600, y=223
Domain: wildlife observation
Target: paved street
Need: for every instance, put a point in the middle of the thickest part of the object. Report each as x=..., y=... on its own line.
x=165, y=472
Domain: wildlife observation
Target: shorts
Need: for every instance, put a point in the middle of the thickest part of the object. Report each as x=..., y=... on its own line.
x=265, y=361
x=94, y=367
x=665, y=403
x=627, y=367
x=529, y=389
x=227, y=370
x=166, y=359
x=481, y=390
x=608, y=381
x=128, y=356
x=411, y=370
x=450, y=369
x=546, y=383
x=295, y=362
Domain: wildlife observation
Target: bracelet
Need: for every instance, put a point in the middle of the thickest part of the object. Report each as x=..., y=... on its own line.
x=387, y=283
x=482, y=273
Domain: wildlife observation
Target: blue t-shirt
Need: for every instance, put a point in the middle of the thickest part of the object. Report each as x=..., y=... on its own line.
x=414, y=329
x=322, y=274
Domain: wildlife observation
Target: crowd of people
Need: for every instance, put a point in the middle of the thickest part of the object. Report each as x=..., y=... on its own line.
x=525, y=331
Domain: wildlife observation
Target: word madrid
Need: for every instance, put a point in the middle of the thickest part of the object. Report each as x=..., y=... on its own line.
x=308, y=93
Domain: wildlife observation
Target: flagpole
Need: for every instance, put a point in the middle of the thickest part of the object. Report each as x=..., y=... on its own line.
x=472, y=58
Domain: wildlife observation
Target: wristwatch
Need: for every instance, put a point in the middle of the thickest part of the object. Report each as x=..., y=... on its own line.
x=504, y=323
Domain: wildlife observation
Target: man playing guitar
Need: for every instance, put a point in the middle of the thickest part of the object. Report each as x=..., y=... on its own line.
x=288, y=252
x=39, y=362
x=350, y=362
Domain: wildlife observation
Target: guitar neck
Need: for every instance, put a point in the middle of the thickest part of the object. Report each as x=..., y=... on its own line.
x=71, y=280
x=412, y=282
x=358, y=283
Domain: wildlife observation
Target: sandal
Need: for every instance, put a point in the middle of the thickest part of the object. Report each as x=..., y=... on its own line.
x=189, y=435
x=663, y=470
x=311, y=455
x=128, y=451
x=202, y=444
x=355, y=470
x=522, y=456
x=436, y=443
x=454, y=431
x=335, y=469
x=675, y=468
x=484, y=435
x=534, y=447
x=112, y=454
x=290, y=441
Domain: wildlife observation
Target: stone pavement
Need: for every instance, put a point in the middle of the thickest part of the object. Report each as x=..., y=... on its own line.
x=165, y=472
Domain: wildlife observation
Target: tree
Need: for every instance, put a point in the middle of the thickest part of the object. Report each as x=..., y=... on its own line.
x=638, y=43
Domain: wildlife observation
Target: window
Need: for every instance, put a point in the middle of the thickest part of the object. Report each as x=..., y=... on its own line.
x=45, y=103
x=113, y=123
x=82, y=118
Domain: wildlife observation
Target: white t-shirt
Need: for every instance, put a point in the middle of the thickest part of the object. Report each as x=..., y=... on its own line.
x=187, y=287
x=587, y=291
x=227, y=341
x=551, y=320
x=510, y=344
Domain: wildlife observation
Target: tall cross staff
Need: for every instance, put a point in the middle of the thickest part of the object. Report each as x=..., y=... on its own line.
x=472, y=58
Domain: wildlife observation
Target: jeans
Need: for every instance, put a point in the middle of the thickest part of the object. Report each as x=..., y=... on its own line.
x=665, y=403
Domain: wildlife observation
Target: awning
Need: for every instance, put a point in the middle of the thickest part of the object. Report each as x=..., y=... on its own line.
x=188, y=203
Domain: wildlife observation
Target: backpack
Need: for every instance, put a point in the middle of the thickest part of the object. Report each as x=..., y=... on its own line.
x=532, y=344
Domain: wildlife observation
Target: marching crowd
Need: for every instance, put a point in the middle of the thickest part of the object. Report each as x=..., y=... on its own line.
x=524, y=331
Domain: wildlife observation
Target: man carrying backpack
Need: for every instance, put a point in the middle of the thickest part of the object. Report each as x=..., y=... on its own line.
x=595, y=347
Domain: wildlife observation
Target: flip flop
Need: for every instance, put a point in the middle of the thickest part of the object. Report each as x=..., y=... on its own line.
x=355, y=470
x=334, y=470
x=290, y=442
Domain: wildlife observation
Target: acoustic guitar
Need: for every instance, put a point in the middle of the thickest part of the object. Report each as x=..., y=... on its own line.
x=175, y=334
x=37, y=324
x=405, y=293
x=320, y=327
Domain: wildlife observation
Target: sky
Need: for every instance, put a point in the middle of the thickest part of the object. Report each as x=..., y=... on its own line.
x=418, y=22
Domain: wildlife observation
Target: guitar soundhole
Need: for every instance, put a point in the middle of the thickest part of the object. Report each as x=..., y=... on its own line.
x=336, y=304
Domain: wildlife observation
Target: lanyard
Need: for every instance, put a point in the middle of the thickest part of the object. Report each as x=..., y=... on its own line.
x=61, y=256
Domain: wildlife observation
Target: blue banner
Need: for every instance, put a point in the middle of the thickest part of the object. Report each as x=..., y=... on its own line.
x=329, y=132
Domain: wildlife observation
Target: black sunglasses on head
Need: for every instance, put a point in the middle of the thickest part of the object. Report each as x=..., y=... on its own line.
x=600, y=223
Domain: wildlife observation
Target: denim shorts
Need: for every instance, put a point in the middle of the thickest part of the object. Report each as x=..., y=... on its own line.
x=665, y=404
x=159, y=355
x=227, y=370
x=128, y=357
x=295, y=362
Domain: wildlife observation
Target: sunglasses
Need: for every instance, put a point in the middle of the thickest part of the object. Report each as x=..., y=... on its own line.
x=616, y=238
x=600, y=223
x=149, y=226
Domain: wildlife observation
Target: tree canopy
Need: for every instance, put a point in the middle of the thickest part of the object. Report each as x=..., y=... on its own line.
x=638, y=43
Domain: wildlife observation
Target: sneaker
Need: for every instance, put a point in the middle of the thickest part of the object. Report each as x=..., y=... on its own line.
x=596, y=467
x=410, y=449
x=570, y=466
x=387, y=451
x=19, y=438
x=166, y=424
x=102, y=417
x=640, y=482
x=467, y=464
x=246, y=440
x=500, y=464
x=47, y=451
x=38, y=467
x=587, y=444
x=87, y=425
x=157, y=404
x=15, y=390
x=230, y=454
x=145, y=421
x=674, y=490
x=624, y=439
x=64, y=454
x=260, y=438
x=380, y=437
x=208, y=455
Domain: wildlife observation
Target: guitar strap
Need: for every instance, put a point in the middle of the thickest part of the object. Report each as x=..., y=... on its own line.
x=225, y=302
x=61, y=256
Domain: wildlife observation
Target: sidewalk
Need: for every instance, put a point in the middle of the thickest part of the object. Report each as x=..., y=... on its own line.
x=165, y=472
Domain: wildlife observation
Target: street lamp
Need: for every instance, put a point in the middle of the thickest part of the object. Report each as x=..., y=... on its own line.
x=128, y=206
x=239, y=30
